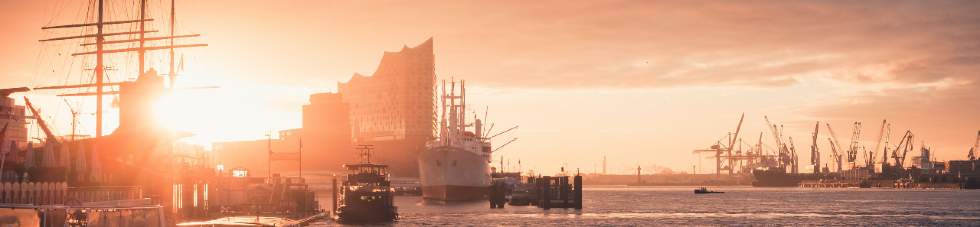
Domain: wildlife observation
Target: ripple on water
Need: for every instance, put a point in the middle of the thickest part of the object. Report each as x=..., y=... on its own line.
x=626, y=206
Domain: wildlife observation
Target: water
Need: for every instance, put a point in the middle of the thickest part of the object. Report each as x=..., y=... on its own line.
x=633, y=206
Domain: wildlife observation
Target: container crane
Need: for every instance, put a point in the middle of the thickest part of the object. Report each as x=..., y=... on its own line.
x=835, y=148
x=731, y=144
x=724, y=151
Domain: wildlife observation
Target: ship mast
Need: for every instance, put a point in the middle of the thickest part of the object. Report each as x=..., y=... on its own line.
x=173, y=20
x=99, y=74
x=101, y=51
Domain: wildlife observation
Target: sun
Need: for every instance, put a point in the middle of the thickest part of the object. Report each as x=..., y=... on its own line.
x=166, y=112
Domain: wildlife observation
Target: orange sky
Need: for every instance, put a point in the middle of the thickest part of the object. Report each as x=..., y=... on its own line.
x=643, y=82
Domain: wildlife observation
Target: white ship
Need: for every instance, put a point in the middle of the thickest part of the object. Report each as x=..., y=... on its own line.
x=456, y=166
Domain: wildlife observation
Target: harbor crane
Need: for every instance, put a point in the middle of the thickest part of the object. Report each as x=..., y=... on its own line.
x=723, y=152
x=835, y=149
x=905, y=145
x=794, y=163
x=884, y=151
x=814, y=150
x=869, y=156
x=855, y=144
x=731, y=143
x=785, y=158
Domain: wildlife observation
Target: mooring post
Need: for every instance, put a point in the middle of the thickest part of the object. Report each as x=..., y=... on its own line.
x=578, y=192
x=545, y=193
x=563, y=190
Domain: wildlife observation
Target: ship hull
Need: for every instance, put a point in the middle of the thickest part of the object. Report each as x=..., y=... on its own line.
x=776, y=177
x=452, y=174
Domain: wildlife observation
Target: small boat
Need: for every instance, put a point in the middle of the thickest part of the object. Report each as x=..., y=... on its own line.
x=366, y=195
x=704, y=190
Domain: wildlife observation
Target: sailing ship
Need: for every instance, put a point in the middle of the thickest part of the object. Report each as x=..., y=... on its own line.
x=113, y=175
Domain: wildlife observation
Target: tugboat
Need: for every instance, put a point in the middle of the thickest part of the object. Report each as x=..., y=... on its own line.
x=704, y=190
x=365, y=195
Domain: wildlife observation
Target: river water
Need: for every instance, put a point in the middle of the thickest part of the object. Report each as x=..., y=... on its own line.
x=643, y=206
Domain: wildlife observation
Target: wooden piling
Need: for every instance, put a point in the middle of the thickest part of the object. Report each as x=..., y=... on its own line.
x=545, y=199
x=578, y=192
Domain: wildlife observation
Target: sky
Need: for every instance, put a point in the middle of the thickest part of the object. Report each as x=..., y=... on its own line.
x=640, y=82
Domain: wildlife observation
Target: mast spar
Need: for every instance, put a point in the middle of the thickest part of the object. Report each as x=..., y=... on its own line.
x=100, y=51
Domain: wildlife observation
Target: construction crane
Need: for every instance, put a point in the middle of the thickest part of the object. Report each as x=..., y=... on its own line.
x=855, y=144
x=814, y=150
x=905, y=145
x=973, y=151
x=40, y=122
x=835, y=149
x=869, y=157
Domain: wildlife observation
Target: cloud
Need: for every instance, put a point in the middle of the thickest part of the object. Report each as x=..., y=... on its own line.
x=658, y=44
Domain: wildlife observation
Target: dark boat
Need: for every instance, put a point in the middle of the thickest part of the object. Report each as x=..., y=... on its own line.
x=704, y=190
x=775, y=177
x=366, y=195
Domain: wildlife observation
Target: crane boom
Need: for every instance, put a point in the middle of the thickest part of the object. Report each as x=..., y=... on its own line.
x=869, y=160
x=814, y=150
x=855, y=143
x=904, y=145
x=40, y=121
x=835, y=148
x=775, y=133
x=731, y=143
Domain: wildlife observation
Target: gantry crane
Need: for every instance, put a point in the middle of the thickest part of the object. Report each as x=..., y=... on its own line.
x=723, y=152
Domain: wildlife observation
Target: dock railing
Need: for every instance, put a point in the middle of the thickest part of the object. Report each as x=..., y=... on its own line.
x=39, y=193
